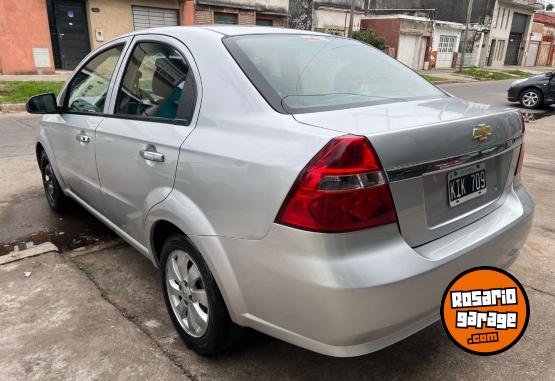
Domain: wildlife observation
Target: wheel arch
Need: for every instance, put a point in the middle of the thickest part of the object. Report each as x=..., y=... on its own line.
x=530, y=87
x=174, y=215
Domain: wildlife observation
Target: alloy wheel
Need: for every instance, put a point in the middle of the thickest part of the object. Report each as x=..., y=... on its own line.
x=530, y=99
x=187, y=294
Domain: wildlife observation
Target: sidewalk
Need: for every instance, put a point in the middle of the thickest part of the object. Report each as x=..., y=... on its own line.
x=61, y=75
x=451, y=75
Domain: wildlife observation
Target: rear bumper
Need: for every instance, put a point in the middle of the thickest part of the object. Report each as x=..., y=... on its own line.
x=355, y=293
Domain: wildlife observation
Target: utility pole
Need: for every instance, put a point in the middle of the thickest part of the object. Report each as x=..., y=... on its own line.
x=350, y=30
x=468, y=17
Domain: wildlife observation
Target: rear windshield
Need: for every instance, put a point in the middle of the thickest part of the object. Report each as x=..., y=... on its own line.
x=299, y=73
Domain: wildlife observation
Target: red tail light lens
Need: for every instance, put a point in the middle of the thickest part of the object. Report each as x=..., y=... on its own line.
x=343, y=188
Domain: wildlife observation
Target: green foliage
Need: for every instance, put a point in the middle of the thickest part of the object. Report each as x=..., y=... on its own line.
x=20, y=91
x=484, y=74
x=433, y=78
x=519, y=73
x=370, y=37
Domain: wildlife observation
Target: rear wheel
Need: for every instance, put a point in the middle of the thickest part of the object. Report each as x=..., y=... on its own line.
x=57, y=200
x=193, y=299
x=531, y=98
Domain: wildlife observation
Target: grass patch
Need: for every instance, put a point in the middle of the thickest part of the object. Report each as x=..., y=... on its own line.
x=433, y=78
x=20, y=91
x=483, y=74
x=518, y=73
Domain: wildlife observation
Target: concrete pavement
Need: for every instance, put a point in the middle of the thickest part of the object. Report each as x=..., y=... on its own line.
x=100, y=314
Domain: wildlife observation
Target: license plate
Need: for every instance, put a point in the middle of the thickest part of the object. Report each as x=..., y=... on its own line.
x=466, y=183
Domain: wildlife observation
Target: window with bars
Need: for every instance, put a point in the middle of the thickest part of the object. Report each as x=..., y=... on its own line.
x=446, y=44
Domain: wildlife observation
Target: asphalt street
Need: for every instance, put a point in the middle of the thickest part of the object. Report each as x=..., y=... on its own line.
x=99, y=314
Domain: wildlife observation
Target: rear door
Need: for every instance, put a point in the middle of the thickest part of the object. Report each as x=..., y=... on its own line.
x=154, y=109
x=72, y=132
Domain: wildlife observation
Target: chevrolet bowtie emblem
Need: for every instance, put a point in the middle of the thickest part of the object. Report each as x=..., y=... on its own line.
x=481, y=132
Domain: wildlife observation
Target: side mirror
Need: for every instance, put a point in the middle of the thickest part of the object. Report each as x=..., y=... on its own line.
x=549, y=74
x=42, y=104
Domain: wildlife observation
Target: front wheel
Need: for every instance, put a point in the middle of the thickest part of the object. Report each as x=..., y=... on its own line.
x=193, y=299
x=531, y=98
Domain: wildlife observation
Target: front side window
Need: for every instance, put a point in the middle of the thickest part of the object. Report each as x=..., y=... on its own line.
x=89, y=87
x=299, y=73
x=154, y=81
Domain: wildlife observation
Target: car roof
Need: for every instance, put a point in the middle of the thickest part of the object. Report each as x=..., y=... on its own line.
x=223, y=30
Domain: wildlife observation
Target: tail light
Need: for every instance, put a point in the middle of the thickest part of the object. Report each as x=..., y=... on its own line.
x=521, y=153
x=343, y=188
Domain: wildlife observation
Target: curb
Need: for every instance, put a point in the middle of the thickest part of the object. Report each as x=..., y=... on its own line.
x=12, y=107
x=43, y=248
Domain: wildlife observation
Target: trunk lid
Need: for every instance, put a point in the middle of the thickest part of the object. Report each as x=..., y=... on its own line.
x=424, y=144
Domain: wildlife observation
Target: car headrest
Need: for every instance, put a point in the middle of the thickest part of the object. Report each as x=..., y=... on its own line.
x=168, y=73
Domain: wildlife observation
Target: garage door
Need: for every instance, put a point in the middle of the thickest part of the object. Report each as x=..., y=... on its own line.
x=147, y=17
x=411, y=50
x=532, y=53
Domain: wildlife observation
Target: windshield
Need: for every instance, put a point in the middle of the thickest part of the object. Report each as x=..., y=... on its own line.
x=298, y=73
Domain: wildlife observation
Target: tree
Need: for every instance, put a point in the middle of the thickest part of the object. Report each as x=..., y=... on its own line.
x=369, y=36
x=549, y=7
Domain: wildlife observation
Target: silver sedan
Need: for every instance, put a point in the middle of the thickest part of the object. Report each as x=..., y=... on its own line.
x=301, y=184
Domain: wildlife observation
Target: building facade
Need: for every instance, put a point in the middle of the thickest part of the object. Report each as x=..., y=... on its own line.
x=407, y=38
x=499, y=29
x=57, y=34
x=541, y=49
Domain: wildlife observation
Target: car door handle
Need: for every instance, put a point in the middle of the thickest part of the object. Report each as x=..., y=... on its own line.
x=83, y=138
x=151, y=154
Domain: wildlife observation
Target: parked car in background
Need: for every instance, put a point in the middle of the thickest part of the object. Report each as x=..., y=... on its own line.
x=304, y=185
x=533, y=92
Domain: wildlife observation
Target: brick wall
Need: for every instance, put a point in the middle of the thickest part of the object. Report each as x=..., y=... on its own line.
x=247, y=17
x=203, y=15
x=277, y=21
x=386, y=28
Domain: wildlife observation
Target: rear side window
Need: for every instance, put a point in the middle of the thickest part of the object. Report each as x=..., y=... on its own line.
x=89, y=87
x=299, y=73
x=156, y=84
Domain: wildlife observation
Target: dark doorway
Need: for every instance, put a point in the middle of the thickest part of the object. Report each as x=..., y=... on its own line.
x=513, y=49
x=491, y=53
x=69, y=32
x=515, y=46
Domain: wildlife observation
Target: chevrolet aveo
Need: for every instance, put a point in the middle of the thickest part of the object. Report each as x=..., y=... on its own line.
x=301, y=184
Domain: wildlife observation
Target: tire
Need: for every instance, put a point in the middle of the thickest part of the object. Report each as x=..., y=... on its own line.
x=531, y=98
x=208, y=333
x=57, y=200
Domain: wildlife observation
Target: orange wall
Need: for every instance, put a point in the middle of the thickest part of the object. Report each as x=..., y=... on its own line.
x=23, y=26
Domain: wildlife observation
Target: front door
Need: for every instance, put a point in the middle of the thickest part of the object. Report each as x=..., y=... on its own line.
x=513, y=49
x=445, y=51
x=137, y=150
x=72, y=32
x=72, y=132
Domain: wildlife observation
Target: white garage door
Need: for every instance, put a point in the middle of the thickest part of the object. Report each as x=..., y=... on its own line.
x=445, y=51
x=411, y=50
x=146, y=17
